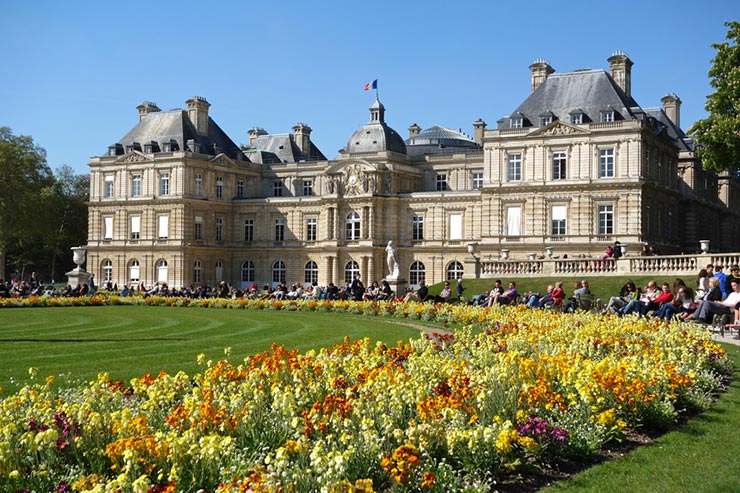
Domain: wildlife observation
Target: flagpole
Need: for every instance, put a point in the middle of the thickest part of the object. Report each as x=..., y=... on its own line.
x=376, y=90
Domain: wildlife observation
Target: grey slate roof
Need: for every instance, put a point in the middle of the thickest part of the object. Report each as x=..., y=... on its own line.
x=279, y=148
x=440, y=140
x=591, y=91
x=165, y=126
x=663, y=122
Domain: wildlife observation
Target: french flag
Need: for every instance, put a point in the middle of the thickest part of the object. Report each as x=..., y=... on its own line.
x=371, y=85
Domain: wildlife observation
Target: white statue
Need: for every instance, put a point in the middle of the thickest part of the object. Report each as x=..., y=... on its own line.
x=390, y=251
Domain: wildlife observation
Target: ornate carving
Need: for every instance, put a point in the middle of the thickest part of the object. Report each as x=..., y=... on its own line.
x=560, y=130
x=134, y=157
x=354, y=180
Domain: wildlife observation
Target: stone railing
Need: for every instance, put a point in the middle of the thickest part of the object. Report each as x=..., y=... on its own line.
x=684, y=265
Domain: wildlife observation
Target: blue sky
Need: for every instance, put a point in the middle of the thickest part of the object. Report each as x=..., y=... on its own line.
x=74, y=72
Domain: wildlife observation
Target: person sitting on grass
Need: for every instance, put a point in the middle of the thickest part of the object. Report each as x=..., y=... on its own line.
x=706, y=309
x=419, y=296
x=445, y=295
x=482, y=299
x=540, y=301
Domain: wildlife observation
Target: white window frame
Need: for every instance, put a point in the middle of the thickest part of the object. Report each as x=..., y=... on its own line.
x=247, y=272
x=198, y=230
x=417, y=273
x=162, y=271
x=219, y=229
x=136, y=227
x=477, y=181
x=307, y=188
x=607, y=162
x=134, y=272
x=163, y=226
x=605, y=219
x=455, y=270
x=277, y=189
x=107, y=270
x=219, y=187
x=311, y=272
x=136, y=185
x=280, y=229
x=514, y=167
x=248, y=229
x=353, y=226
x=456, y=226
x=441, y=182
x=164, y=184
x=108, y=188
x=108, y=227
x=240, y=189
x=558, y=220
x=312, y=228
x=197, y=271
x=559, y=165
x=199, y=184
x=514, y=220
x=417, y=228
x=278, y=272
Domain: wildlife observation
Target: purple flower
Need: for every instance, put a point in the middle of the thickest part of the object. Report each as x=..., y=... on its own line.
x=62, y=487
x=560, y=435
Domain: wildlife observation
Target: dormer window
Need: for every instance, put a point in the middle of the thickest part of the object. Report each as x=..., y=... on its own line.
x=170, y=146
x=517, y=122
x=607, y=114
x=546, y=118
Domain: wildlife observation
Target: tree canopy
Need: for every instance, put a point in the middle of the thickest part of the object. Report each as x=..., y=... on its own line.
x=42, y=214
x=718, y=135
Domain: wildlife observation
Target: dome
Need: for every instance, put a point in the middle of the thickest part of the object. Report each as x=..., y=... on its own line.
x=376, y=136
x=439, y=139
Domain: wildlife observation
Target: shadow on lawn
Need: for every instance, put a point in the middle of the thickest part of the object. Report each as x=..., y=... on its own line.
x=128, y=339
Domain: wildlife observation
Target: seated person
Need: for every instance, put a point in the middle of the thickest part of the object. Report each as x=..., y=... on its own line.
x=574, y=302
x=482, y=299
x=540, y=301
x=649, y=294
x=558, y=294
x=386, y=292
x=708, y=308
x=507, y=297
x=419, y=295
x=626, y=294
x=682, y=299
x=445, y=295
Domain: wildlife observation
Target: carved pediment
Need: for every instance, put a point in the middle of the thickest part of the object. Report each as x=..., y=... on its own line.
x=133, y=157
x=353, y=178
x=221, y=159
x=558, y=128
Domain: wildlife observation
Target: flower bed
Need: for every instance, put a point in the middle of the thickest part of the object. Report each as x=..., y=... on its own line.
x=514, y=389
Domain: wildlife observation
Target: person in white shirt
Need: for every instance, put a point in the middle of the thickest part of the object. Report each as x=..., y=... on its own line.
x=706, y=309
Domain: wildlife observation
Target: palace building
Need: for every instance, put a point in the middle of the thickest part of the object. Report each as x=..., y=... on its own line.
x=578, y=165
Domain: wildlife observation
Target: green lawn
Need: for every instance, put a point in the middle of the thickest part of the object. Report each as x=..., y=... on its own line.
x=74, y=343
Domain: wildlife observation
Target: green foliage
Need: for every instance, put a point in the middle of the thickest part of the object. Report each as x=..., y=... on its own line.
x=42, y=214
x=719, y=133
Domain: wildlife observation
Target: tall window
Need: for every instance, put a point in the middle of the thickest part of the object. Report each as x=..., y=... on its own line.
x=417, y=228
x=280, y=229
x=455, y=270
x=277, y=189
x=197, y=272
x=456, y=227
x=219, y=187
x=477, y=181
x=198, y=228
x=133, y=271
x=107, y=271
x=417, y=273
x=515, y=167
x=606, y=163
x=163, y=227
x=559, y=215
x=311, y=272
x=249, y=230
x=278, y=272
x=199, y=185
x=606, y=219
x=350, y=270
x=162, y=271
x=352, y=226
x=514, y=221
x=307, y=188
x=441, y=183
x=219, y=271
x=108, y=228
x=219, y=229
x=136, y=185
x=240, y=189
x=559, y=160
x=108, y=191
x=247, y=271
x=164, y=184
x=311, y=228
x=135, y=227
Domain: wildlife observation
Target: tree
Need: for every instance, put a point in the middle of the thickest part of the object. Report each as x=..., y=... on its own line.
x=718, y=135
x=23, y=174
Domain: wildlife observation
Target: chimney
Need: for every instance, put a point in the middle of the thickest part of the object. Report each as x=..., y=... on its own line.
x=302, y=138
x=621, y=71
x=672, y=108
x=198, y=113
x=254, y=132
x=145, y=108
x=479, y=126
x=414, y=130
x=540, y=69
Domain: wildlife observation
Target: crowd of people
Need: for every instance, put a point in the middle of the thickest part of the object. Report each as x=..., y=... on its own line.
x=33, y=286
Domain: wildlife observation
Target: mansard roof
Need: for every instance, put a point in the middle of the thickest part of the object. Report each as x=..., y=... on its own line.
x=175, y=125
x=440, y=140
x=590, y=91
x=376, y=135
x=664, y=122
x=280, y=148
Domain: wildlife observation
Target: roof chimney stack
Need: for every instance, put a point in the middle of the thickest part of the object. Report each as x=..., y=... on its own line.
x=672, y=108
x=479, y=126
x=302, y=137
x=198, y=113
x=540, y=69
x=621, y=71
x=254, y=133
x=414, y=130
x=145, y=108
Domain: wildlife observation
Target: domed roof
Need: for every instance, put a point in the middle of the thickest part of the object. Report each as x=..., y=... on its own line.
x=439, y=140
x=376, y=136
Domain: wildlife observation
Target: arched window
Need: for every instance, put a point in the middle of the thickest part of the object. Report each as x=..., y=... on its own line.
x=162, y=271
x=133, y=271
x=219, y=271
x=454, y=270
x=417, y=273
x=278, y=272
x=352, y=225
x=312, y=272
x=197, y=272
x=107, y=271
x=350, y=270
x=247, y=273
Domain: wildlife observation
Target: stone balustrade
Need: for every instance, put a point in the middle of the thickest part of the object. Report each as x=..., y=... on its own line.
x=666, y=265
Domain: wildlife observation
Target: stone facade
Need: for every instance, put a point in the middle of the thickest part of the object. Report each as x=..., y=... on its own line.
x=177, y=201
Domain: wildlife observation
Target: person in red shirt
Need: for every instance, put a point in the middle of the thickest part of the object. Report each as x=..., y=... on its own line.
x=665, y=296
x=558, y=295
